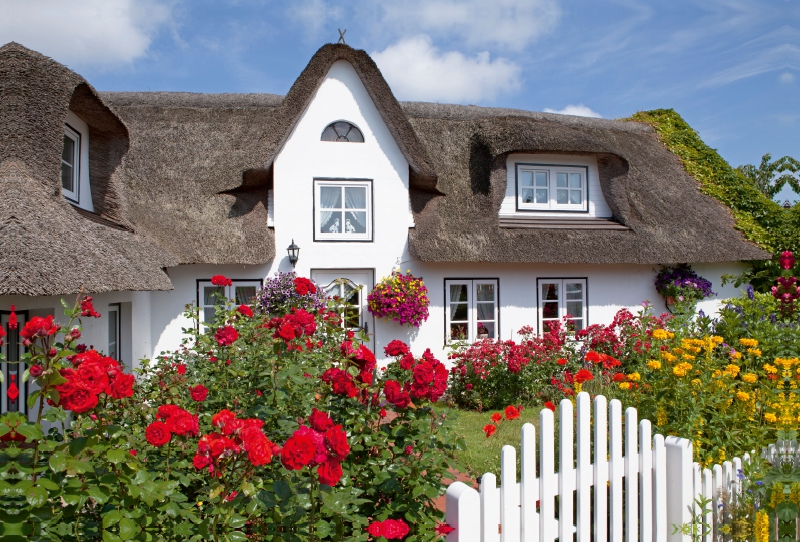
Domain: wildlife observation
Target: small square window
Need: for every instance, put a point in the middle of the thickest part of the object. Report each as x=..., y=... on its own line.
x=472, y=310
x=242, y=292
x=545, y=187
x=343, y=210
x=562, y=298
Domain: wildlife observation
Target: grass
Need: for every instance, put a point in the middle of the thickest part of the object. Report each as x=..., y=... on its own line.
x=481, y=454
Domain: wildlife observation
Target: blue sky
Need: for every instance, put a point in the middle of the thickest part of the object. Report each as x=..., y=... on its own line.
x=731, y=68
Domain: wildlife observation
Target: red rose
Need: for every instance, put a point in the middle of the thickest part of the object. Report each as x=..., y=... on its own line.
x=79, y=400
x=423, y=373
x=343, y=385
x=87, y=309
x=304, y=286
x=490, y=429
x=259, y=448
x=298, y=452
x=320, y=421
x=382, y=413
x=201, y=461
x=443, y=529
x=330, y=472
x=224, y=420
x=407, y=361
x=561, y=361
x=375, y=529
x=199, y=393
x=550, y=405
x=512, y=413
x=134, y=453
x=396, y=348
x=226, y=336
x=93, y=375
x=286, y=332
x=221, y=280
x=157, y=434
x=182, y=423
x=181, y=368
x=395, y=529
x=121, y=386
x=35, y=370
x=244, y=310
x=39, y=327
x=336, y=439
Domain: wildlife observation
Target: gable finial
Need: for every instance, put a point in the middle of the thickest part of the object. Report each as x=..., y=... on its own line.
x=341, y=36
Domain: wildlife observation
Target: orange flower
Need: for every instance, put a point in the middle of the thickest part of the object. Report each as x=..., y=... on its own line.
x=490, y=429
x=512, y=413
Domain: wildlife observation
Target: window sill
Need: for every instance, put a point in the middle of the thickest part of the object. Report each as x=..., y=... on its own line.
x=587, y=223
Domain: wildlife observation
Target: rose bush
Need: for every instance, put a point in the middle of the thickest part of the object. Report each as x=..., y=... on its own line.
x=262, y=426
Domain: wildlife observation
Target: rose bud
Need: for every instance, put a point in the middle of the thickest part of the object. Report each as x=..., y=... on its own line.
x=36, y=371
x=52, y=352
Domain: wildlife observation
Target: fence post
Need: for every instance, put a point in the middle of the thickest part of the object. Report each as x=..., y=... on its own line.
x=463, y=511
x=680, y=486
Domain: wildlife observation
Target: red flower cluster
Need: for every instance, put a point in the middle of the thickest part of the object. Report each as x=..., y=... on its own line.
x=171, y=419
x=583, y=376
x=341, y=382
x=92, y=375
x=221, y=280
x=396, y=529
x=244, y=310
x=362, y=357
x=396, y=348
x=323, y=445
x=293, y=326
x=199, y=393
x=303, y=286
x=87, y=309
x=38, y=327
x=236, y=436
x=226, y=335
x=511, y=413
x=429, y=377
x=607, y=361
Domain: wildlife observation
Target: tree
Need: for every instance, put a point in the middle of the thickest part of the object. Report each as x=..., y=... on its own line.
x=771, y=176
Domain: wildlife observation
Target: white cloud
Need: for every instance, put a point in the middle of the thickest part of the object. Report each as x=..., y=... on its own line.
x=786, y=77
x=416, y=70
x=314, y=15
x=506, y=23
x=88, y=32
x=578, y=110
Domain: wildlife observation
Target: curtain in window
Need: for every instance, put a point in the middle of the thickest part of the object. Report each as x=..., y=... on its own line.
x=330, y=198
x=356, y=198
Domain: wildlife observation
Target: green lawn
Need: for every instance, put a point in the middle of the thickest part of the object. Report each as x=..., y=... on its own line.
x=482, y=454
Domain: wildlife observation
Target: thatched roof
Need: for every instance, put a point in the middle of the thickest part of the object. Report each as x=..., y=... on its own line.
x=49, y=247
x=668, y=219
x=191, y=173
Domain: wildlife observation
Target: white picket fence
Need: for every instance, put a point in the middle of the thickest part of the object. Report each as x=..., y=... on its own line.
x=649, y=483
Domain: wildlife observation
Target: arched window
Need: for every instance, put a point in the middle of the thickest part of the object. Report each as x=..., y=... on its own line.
x=341, y=130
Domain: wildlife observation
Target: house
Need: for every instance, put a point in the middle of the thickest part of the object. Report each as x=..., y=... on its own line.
x=511, y=217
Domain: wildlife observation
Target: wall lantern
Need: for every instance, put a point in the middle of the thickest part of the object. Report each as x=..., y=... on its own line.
x=294, y=253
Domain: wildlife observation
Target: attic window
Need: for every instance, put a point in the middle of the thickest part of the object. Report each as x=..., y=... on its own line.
x=342, y=131
x=70, y=163
x=552, y=187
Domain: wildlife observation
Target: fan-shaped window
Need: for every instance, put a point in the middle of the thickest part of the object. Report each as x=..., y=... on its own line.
x=342, y=130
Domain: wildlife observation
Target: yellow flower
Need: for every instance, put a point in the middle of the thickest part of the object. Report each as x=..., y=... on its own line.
x=755, y=351
x=661, y=417
x=716, y=339
x=733, y=370
x=660, y=334
x=682, y=368
x=749, y=343
x=749, y=378
x=769, y=417
x=624, y=385
x=634, y=377
x=762, y=526
x=770, y=368
x=735, y=354
x=717, y=373
x=742, y=396
x=696, y=382
x=653, y=365
x=688, y=356
x=669, y=358
x=677, y=351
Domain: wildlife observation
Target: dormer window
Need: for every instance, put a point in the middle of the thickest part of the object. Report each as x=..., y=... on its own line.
x=550, y=187
x=70, y=164
x=342, y=131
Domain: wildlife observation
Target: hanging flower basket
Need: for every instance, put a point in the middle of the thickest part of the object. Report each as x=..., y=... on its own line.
x=681, y=285
x=399, y=297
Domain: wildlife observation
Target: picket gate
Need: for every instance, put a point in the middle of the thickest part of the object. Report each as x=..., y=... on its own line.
x=650, y=482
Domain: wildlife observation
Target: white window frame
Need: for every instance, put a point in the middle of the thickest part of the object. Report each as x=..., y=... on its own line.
x=562, y=299
x=114, y=347
x=552, y=171
x=342, y=235
x=75, y=136
x=228, y=291
x=472, y=311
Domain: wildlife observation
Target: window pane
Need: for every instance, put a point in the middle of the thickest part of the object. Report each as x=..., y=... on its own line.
x=458, y=311
x=561, y=180
x=562, y=197
x=331, y=222
x=352, y=294
x=355, y=222
x=213, y=295
x=549, y=291
x=208, y=314
x=575, y=197
x=485, y=311
x=575, y=324
x=67, y=177
x=527, y=195
x=550, y=310
x=575, y=308
x=330, y=197
x=541, y=178
x=486, y=330
x=541, y=195
x=546, y=325
x=459, y=331
x=68, y=151
x=458, y=292
x=485, y=292
x=352, y=317
x=244, y=294
x=575, y=180
x=526, y=178
x=574, y=290
x=355, y=197
x=112, y=334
